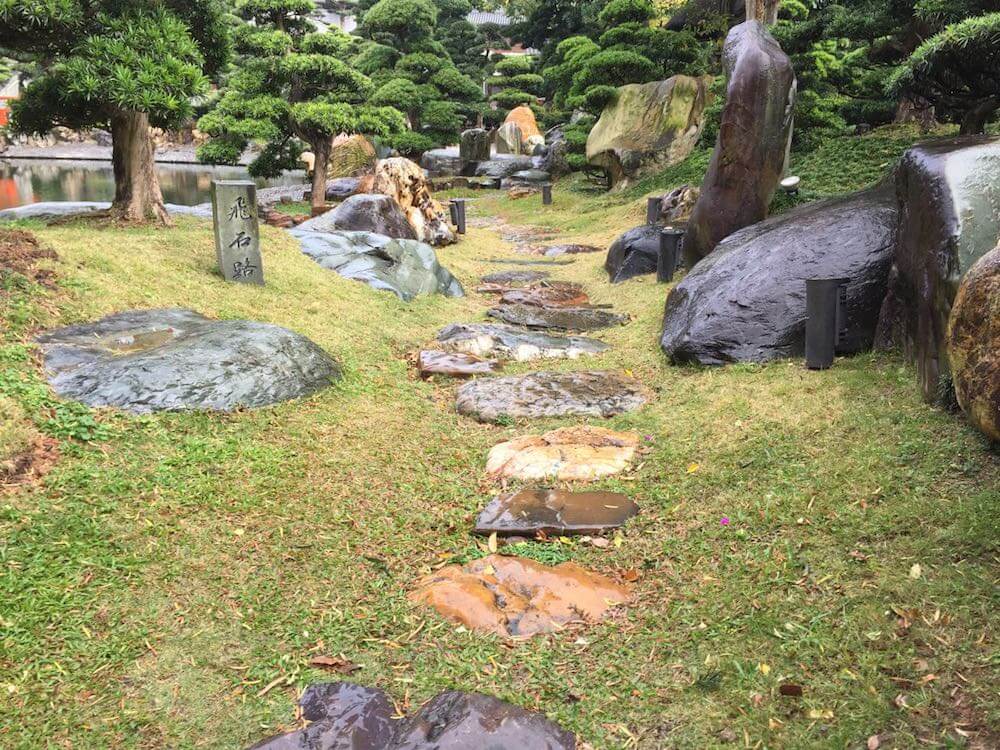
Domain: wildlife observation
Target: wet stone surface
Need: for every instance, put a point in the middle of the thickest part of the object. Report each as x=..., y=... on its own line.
x=568, y=454
x=345, y=716
x=599, y=393
x=514, y=278
x=547, y=294
x=518, y=597
x=453, y=364
x=513, y=342
x=530, y=262
x=565, y=318
x=530, y=511
x=554, y=251
x=171, y=360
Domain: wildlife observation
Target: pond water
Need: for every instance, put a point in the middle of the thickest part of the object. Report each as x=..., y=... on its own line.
x=32, y=180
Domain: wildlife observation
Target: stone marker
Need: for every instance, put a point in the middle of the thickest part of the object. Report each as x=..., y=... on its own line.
x=570, y=454
x=237, y=235
x=531, y=511
x=518, y=597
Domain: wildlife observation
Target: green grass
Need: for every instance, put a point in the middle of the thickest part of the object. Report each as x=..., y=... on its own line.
x=171, y=566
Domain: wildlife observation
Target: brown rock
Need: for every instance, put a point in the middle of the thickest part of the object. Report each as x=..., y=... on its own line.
x=525, y=121
x=547, y=294
x=352, y=155
x=518, y=597
x=530, y=511
x=404, y=181
x=754, y=136
x=454, y=364
x=974, y=344
x=568, y=454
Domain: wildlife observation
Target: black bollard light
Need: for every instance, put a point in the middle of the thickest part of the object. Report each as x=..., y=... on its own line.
x=826, y=319
x=498, y=183
x=459, y=205
x=547, y=194
x=653, y=209
x=453, y=210
x=666, y=261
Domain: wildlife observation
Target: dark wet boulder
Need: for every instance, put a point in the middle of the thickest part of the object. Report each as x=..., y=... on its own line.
x=746, y=301
x=504, y=165
x=366, y=212
x=172, y=360
x=595, y=393
x=634, y=253
x=474, y=146
x=754, y=135
x=442, y=162
x=949, y=218
x=561, y=318
x=342, y=188
x=407, y=268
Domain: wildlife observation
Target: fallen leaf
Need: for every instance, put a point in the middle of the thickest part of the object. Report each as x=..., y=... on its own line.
x=790, y=689
x=764, y=669
x=631, y=575
x=915, y=570
x=334, y=664
x=692, y=468
x=492, y=543
x=600, y=541
x=874, y=743
x=817, y=713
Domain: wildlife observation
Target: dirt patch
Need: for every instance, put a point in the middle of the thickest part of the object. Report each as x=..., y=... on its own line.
x=20, y=252
x=29, y=466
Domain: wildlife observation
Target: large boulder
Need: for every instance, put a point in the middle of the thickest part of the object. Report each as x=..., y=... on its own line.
x=974, y=344
x=404, y=182
x=474, y=146
x=442, y=162
x=367, y=212
x=754, y=137
x=746, y=301
x=634, y=253
x=172, y=360
x=949, y=218
x=524, y=119
x=351, y=155
x=648, y=126
x=509, y=139
x=407, y=268
x=504, y=165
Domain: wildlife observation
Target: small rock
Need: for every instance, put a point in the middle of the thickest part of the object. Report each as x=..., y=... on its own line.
x=567, y=454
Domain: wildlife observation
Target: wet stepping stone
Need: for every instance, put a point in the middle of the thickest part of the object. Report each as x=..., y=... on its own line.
x=512, y=342
x=532, y=511
x=530, y=262
x=595, y=393
x=554, y=251
x=570, y=454
x=520, y=233
x=454, y=364
x=516, y=596
x=345, y=716
x=563, y=318
x=171, y=360
x=514, y=278
x=547, y=294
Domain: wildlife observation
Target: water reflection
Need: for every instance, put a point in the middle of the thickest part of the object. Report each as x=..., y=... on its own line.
x=32, y=180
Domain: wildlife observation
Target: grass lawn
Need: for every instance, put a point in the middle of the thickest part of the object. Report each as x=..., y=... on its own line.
x=168, y=581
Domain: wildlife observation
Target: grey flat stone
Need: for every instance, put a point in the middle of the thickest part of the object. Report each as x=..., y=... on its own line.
x=598, y=393
x=512, y=278
x=512, y=342
x=171, y=360
x=532, y=511
x=560, y=318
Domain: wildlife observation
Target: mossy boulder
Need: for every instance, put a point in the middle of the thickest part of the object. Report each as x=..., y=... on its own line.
x=648, y=126
x=974, y=344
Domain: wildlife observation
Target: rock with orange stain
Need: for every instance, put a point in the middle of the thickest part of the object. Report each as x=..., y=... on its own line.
x=519, y=597
x=405, y=182
x=524, y=118
x=569, y=454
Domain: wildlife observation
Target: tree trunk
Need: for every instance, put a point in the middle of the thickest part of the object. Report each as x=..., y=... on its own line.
x=137, y=188
x=322, y=149
x=976, y=118
x=765, y=11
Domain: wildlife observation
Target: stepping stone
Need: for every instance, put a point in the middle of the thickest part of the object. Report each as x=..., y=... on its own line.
x=518, y=597
x=531, y=511
x=513, y=342
x=171, y=360
x=563, y=318
x=568, y=454
x=547, y=294
x=553, y=251
x=514, y=233
x=345, y=716
x=514, y=278
x=530, y=262
x=595, y=393
x=453, y=364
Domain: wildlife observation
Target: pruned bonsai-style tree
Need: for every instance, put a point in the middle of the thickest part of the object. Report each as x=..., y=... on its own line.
x=293, y=87
x=119, y=66
x=958, y=71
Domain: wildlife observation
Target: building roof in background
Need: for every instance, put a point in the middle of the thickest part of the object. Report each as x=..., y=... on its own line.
x=499, y=17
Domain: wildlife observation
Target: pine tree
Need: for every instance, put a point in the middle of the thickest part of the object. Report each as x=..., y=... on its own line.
x=119, y=66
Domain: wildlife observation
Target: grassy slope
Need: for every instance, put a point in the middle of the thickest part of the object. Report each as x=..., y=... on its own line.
x=171, y=568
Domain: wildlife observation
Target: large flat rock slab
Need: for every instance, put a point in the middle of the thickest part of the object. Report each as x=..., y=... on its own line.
x=532, y=511
x=547, y=294
x=514, y=278
x=513, y=342
x=407, y=268
x=454, y=364
x=596, y=393
x=171, y=360
x=513, y=596
x=559, y=318
x=570, y=454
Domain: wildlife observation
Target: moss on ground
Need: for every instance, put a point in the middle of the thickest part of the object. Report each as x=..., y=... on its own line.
x=170, y=580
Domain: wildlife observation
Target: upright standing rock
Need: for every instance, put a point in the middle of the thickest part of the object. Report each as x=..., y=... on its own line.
x=754, y=137
x=237, y=236
x=404, y=181
x=524, y=118
x=473, y=148
x=509, y=139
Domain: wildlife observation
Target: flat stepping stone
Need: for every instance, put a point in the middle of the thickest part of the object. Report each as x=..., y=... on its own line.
x=554, y=251
x=595, y=393
x=512, y=342
x=521, y=233
x=514, y=278
x=531, y=262
x=454, y=364
x=532, y=511
x=514, y=596
x=570, y=454
x=563, y=319
x=547, y=294
x=342, y=715
x=171, y=360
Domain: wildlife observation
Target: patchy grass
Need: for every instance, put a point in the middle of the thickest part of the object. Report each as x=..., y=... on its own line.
x=172, y=566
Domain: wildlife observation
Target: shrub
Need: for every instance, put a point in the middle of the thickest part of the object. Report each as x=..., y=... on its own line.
x=618, y=12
